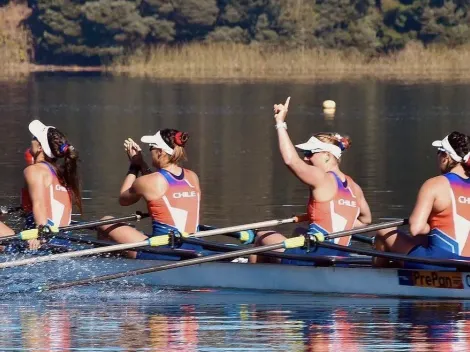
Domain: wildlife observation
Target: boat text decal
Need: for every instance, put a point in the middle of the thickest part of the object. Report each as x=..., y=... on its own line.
x=436, y=279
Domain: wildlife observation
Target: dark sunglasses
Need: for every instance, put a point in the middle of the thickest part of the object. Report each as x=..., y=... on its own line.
x=152, y=147
x=441, y=152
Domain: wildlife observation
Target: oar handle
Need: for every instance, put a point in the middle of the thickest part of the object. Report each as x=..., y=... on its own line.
x=34, y=233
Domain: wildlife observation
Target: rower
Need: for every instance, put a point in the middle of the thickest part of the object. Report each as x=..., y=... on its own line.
x=336, y=202
x=172, y=193
x=51, y=187
x=440, y=221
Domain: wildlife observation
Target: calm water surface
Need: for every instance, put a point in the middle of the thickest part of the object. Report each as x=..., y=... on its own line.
x=233, y=149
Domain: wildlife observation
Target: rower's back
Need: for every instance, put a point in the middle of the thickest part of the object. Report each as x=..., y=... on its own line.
x=449, y=219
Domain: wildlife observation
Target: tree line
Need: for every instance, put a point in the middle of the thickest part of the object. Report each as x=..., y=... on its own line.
x=96, y=31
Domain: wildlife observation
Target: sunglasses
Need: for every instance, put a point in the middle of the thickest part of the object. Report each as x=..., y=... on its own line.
x=152, y=147
x=441, y=152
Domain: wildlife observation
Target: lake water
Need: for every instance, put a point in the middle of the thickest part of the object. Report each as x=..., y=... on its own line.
x=233, y=148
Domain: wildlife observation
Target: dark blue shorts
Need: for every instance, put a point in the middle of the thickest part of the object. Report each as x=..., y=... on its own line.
x=432, y=252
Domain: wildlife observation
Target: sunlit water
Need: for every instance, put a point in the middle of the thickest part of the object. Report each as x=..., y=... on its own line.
x=233, y=149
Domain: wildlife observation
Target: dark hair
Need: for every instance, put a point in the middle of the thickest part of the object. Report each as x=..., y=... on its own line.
x=461, y=144
x=68, y=171
x=176, y=140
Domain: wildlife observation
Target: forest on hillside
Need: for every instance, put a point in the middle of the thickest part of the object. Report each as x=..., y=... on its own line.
x=94, y=32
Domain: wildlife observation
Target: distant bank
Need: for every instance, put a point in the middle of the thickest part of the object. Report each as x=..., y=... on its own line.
x=237, y=61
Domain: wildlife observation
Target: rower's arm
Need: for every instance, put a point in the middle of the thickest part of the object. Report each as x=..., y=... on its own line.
x=365, y=215
x=423, y=207
x=308, y=174
x=128, y=194
x=34, y=178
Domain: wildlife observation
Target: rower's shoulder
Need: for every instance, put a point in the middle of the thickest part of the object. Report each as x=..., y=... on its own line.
x=191, y=174
x=34, y=169
x=435, y=183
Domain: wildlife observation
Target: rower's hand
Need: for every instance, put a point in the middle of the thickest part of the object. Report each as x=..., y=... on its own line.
x=134, y=152
x=280, y=111
x=34, y=244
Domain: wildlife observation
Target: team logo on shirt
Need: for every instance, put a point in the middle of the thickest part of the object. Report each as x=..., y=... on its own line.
x=348, y=203
x=185, y=194
x=464, y=200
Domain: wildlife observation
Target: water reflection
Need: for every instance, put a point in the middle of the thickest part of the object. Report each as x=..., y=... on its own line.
x=233, y=148
x=233, y=321
x=233, y=143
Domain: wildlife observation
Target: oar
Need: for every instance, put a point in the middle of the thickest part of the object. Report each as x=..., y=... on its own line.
x=294, y=242
x=363, y=239
x=34, y=233
x=152, y=241
x=450, y=263
x=318, y=260
x=177, y=252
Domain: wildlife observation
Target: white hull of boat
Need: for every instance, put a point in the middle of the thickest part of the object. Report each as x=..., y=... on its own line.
x=271, y=277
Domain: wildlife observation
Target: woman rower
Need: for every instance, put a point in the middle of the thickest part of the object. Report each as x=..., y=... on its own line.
x=172, y=193
x=440, y=221
x=51, y=187
x=336, y=202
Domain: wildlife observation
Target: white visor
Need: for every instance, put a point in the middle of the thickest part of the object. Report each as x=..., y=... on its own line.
x=445, y=146
x=158, y=142
x=39, y=130
x=315, y=145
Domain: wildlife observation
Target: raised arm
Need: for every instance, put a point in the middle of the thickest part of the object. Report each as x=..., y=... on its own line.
x=308, y=174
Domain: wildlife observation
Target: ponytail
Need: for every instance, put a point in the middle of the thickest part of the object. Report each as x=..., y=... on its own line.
x=67, y=172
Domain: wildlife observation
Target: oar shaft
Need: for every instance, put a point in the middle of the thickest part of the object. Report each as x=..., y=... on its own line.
x=255, y=225
x=125, y=246
x=84, y=225
x=68, y=255
x=169, y=266
x=451, y=263
x=89, y=224
x=368, y=228
x=363, y=239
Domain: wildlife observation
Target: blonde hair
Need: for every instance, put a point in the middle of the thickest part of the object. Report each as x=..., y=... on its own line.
x=343, y=142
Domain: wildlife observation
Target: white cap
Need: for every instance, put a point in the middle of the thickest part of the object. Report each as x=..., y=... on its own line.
x=39, y=130
x=315, y=145
x=158, y=142
x=445, y=146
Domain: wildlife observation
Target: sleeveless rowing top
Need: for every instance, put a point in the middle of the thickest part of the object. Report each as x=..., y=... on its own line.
x=338, y=214
x=450, y=229
x=178, y=208
x=58, y=201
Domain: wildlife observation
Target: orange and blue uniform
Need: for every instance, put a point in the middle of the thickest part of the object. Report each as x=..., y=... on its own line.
x=176, y=211
x=338, y=214
x=58, y=202
x=450, y=229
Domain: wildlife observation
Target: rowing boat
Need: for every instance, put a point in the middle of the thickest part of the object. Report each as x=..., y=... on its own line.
x=356, y=280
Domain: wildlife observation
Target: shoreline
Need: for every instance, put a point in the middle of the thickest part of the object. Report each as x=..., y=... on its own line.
x=238, y=63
